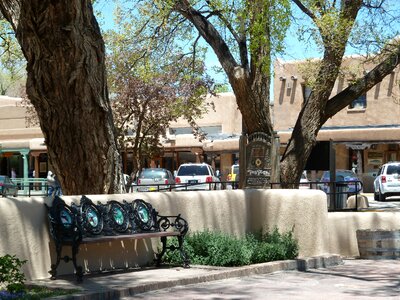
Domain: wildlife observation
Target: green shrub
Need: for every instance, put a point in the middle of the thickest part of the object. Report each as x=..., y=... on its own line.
x=218, y=249
x=12, y=282
x=11, y=276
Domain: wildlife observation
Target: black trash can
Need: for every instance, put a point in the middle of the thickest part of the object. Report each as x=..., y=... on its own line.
x=341, y=195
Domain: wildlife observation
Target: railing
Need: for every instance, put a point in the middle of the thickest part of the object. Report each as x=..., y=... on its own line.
x=158, y=187
x=337, y=192
x=31, y=186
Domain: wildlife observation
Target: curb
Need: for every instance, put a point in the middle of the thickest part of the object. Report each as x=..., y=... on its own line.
x=212, y=274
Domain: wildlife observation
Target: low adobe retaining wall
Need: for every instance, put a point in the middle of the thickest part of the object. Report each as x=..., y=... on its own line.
x=24, y=231
x=344, y=225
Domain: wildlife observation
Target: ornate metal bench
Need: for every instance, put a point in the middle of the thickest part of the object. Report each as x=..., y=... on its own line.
x=93, y=223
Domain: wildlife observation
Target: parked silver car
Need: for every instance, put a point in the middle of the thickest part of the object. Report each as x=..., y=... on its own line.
x=387, y=181
x=154, y=179
x=197, y=177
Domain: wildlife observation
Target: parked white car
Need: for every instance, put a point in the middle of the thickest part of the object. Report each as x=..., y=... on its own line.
x=387, y=181
x=304, y=182
x=197, y=177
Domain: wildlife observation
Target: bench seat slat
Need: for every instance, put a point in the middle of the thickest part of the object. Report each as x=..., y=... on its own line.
x=136, y=236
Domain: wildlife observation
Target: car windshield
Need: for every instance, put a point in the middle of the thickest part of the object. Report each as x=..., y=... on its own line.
x=393, y=169
x=193, y=170
x=153, y=173
x=2, y=179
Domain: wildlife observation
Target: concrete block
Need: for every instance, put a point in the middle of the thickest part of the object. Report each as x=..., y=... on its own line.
x=362, y=202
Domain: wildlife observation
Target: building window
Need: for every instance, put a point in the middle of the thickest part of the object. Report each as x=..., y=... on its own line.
x=359, y=103
x=189, y=130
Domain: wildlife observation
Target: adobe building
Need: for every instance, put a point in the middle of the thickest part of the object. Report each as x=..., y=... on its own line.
x=365, y=135
x=222, y=125
x=21, y=148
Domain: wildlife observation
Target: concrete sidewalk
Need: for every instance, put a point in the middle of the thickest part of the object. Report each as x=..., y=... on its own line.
x=355, y=279
x=123, y=284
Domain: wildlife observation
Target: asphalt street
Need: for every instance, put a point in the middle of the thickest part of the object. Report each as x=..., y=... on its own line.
x=392, y=203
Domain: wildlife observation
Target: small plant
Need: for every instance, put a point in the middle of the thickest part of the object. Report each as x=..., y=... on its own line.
x=12, y=282
x=10, y=274
x=218, y=249
x=11, y=277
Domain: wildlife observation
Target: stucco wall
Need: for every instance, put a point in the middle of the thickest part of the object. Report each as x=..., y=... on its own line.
x=23, y=224
x=24, y=232
x=343, y=227
x=382, y=103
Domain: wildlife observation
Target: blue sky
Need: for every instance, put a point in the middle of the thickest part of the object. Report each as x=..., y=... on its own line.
x=295, y=49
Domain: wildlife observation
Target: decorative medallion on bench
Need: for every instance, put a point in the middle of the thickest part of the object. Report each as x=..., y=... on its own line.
x=118, y=217
x=90, y=218
x=95, y=223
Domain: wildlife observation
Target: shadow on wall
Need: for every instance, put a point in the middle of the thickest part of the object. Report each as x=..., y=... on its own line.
x=24, y=233
x=24, y=229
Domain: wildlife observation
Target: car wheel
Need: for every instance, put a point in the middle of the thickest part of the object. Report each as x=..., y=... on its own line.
x=382, y=197
x=376, y=196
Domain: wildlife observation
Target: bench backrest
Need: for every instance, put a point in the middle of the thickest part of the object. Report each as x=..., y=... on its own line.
x=115, y=218
x=74, y=223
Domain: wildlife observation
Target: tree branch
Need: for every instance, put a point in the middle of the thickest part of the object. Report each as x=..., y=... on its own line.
x=304, y=9
x=209, y=33
x=361, y=86
x=10, y=10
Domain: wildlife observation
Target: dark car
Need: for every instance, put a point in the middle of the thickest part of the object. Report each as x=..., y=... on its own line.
x=7, y=187
x=154, y=179
x=344, y=179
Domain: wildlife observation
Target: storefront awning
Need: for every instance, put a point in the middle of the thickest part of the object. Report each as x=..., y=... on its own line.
x=366, y=134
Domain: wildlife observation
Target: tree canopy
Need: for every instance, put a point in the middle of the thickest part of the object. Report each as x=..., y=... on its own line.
x=151, y=86
x=246, y=34
x=66, y=80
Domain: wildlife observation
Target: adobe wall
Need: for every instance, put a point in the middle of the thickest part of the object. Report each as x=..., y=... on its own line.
x=343, y=226
x=24, y=232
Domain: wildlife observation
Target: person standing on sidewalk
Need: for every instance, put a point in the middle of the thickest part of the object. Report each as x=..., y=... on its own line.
x=13, y=173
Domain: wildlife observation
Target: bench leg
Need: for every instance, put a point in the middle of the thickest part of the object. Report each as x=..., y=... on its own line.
x=164, y=248
x=184, y=256
x=78, y=269
x=182, y=252
x=53, y=271
x=66, y=259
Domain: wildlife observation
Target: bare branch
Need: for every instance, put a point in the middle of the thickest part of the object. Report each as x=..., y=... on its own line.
x=209, y=33
x=304, y=9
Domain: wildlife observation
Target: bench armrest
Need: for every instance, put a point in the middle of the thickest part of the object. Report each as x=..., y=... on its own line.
x=63, y=222
x=176, y=223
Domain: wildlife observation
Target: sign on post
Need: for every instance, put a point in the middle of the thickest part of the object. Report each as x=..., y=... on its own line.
x=258, y=161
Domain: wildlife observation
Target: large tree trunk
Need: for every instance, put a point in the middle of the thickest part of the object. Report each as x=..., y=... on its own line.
x=66, y=83
x=249, y=78
x=309, y=122
x=312, y=115
x=249, y=81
